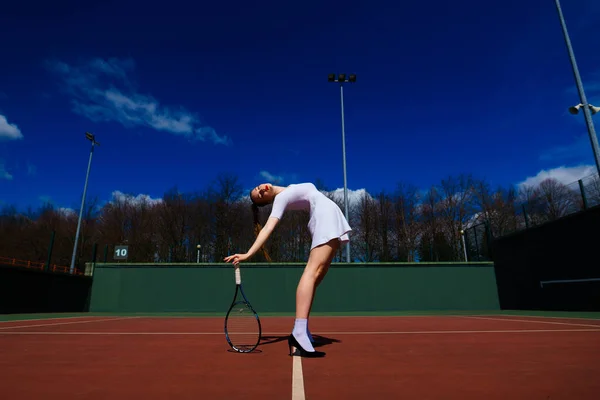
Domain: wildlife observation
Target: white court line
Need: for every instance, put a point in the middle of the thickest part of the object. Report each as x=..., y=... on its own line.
x=531, y=321
x=287, y=333
x=315, y=316
x=44, y=319
x=297, y=379
x=534, y=316
x=64, y=323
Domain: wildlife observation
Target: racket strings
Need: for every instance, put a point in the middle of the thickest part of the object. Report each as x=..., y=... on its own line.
x=242, y=327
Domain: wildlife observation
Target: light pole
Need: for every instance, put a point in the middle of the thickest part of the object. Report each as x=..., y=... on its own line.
x=92, y=139
x=464, y=246
x=584, y=103
x=341, y=79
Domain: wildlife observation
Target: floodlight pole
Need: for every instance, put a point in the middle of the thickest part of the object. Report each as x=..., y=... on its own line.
x=341, y=79
x=464, y=245
x=586, y=108
x=91, y=138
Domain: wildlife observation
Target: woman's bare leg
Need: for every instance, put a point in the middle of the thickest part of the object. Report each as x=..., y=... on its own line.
x=319, y=280
x=318, y=264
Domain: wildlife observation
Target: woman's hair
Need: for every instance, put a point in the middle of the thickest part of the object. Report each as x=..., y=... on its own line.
x=258, y=227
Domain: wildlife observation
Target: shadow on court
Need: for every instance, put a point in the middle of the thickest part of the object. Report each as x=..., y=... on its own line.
x=319, y=340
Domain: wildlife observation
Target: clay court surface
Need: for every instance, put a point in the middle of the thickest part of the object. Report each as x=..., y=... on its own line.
x=369, y=357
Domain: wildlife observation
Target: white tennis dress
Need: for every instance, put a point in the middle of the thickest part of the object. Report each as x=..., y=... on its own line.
x=326, y=219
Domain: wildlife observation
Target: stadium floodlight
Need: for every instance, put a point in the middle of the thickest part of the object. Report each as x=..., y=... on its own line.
x=341, y=79
x=89, y=136
x=575, y=109
x=582, y=99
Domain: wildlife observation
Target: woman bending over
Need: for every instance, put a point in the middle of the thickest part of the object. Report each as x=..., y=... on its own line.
x=329, y=229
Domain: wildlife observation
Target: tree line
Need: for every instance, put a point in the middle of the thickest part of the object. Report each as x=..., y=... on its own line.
x=406, y=224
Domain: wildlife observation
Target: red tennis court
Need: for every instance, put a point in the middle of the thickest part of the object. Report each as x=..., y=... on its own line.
x=408, y=357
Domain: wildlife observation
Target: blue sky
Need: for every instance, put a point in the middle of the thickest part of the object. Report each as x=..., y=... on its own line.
x=177, y=92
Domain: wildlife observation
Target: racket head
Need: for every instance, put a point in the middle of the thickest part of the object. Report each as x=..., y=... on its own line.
x=242, y=324
x=242, y=327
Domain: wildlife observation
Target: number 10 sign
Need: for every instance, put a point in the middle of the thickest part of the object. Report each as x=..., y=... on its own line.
x=121, y=252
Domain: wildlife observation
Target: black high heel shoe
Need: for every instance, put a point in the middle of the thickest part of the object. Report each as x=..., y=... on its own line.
x=292, y=342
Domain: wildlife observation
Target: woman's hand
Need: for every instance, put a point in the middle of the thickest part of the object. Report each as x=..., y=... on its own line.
x=236, y=258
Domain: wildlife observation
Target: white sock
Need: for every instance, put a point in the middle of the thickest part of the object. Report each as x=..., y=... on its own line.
x=300, y=333
x=309, y=335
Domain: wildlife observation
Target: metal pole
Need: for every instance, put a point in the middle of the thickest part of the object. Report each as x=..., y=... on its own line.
x=462, y=234
x=50, y=247
x=586, y=110
x=344, y=165
x=81, y=209
x=583, y=195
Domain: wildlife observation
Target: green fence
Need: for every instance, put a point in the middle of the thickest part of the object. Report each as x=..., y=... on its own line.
x=272, y=288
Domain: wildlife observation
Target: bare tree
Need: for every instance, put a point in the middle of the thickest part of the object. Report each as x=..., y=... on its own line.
x=404, y=225
x=386, y=218
x=368, y=229
x=456, y=206
x=225, y=191
x=547, y=201
x=498, y=209
x=592, y=190
x=407, y=225
x=558, y=199
x=434, y=244
x=200, y=232
x=173, y=223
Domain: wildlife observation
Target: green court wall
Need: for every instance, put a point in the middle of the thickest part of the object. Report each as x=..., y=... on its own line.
x=272, y=288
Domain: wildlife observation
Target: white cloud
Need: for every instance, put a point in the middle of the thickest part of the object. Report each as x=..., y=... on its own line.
x=564, y=175
x=4, y=174
x=138, y=200
x=275, y=179
x=9, y=131
x=354, y=196
x=103, y=90
x=67, y=212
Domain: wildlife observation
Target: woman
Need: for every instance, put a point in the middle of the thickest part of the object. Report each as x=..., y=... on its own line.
x=329, y=229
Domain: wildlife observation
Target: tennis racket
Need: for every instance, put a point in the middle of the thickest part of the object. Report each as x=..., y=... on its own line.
x=242, y=325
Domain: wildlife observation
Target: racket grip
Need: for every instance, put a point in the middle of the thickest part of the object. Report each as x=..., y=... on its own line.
x=238, y=276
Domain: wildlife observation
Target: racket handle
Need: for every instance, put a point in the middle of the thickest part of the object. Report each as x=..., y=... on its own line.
x=238, y=276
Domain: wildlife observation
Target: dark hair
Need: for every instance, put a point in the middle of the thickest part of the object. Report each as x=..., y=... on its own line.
x=258, y=227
